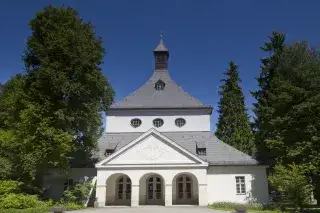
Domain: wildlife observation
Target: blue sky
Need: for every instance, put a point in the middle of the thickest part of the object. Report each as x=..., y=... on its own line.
x=202, y=37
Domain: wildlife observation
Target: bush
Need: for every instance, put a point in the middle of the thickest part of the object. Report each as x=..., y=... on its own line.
x=293, y=186
x=78, y=194
x=9, y=186
x=20, y=201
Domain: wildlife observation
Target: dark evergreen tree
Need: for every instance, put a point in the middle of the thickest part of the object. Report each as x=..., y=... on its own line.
x=294, y=97
x=262, y=108
x=233, y=125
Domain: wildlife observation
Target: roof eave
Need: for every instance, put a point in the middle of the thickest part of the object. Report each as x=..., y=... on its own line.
x=209, y=108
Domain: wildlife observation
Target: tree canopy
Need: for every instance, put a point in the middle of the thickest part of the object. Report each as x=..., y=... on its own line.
x=52, y=111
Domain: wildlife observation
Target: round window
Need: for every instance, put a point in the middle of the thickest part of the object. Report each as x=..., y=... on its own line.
x=136, y=122
x=157, y=122
x=180, y=122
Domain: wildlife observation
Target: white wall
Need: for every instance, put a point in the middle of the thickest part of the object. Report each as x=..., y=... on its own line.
x=222, y=184
x=120, y=121
x=151, y=151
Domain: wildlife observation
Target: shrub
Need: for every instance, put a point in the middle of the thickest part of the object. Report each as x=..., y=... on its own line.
x=9, y=186
x=20, y=201
x=293, y=186
x=78, y=194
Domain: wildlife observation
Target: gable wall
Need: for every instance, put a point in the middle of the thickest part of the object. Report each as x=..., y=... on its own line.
x=120, y=121
x=222, y=184
x=151, y=150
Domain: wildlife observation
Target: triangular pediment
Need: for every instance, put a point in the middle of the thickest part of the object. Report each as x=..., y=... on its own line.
x=152, y=148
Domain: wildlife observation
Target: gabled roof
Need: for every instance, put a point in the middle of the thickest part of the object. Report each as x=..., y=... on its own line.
x=172, y=96
x=218, y=152
x=160, y=136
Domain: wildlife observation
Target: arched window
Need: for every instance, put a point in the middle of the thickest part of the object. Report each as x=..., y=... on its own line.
x=180, y=122
x=158, y=122
x=123, y=188
x=159, y=85
x=136, y=122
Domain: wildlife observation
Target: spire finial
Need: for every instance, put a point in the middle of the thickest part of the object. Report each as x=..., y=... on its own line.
x=161, y=34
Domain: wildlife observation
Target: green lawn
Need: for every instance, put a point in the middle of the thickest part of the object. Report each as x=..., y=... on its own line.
x=226, y=206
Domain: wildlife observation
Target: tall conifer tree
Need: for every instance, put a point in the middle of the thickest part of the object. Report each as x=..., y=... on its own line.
x=233, y=125
x=262, y=108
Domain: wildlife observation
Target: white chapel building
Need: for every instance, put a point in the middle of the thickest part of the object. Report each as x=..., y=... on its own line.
x=158, y=150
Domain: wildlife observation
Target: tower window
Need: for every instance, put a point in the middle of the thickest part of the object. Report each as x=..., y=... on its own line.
x=159, y=85
x=158, y=122
x=136, y=122
x=180, y=122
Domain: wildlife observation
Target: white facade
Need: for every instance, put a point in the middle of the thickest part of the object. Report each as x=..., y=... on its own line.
x=120, y=121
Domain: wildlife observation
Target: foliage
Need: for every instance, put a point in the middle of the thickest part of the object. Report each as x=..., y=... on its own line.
x=293, y=186
x=233, y=124
x=9, y=187
x=5, y=168
x=20, y=201
x=78, y=193
x=51, y=114
x=295, y=98
x=261, y=108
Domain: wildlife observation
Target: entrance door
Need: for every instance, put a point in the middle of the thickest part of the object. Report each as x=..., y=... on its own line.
x=154, y=190
x=123, y=196
x=184, y=189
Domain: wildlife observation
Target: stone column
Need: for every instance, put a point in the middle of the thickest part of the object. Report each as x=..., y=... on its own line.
x=203, y=200
x=101, y=194
x=134, y=195
x=168, y=195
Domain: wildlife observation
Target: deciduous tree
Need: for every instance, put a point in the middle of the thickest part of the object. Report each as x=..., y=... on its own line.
x=55, y=111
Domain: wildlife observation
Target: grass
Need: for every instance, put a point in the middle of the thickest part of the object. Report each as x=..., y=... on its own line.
x=255, y=207
x=43, y=209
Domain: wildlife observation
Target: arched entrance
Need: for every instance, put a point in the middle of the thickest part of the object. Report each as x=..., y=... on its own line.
x=118, y=190
x=151, y=190
x=123, y=190
x=185, y=189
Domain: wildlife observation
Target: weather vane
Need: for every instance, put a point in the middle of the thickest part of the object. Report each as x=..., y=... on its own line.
x=161, y=34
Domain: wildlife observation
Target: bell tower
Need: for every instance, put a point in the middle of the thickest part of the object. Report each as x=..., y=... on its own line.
x=161, y=55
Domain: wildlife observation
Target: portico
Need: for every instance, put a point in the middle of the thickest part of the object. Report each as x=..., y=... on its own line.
x=159, y=186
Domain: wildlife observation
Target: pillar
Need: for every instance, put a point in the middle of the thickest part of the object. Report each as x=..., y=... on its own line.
x=203, y=200
x=135, y=195
x=101, y=194
x=168, y=195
